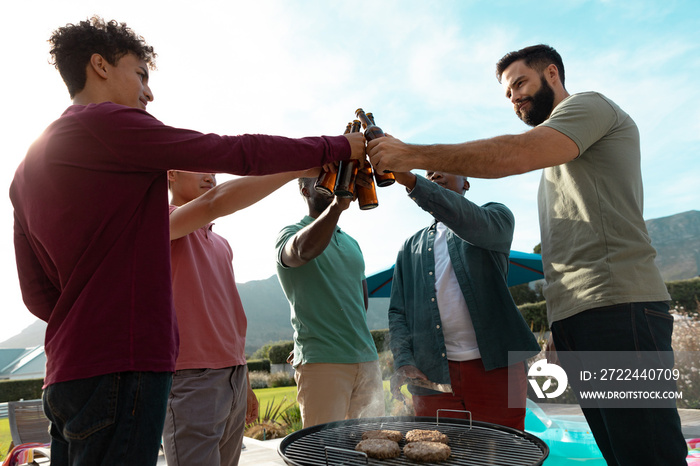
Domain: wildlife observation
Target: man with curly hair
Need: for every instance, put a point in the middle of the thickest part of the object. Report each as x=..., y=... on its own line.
x=92, y=246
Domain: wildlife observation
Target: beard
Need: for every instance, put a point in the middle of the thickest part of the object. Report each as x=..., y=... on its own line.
x=541, y=105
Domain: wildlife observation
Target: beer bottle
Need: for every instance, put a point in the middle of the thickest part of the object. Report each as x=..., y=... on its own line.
x=325, y=183
x=373, y=131
x=367, y=197
x=347, y=171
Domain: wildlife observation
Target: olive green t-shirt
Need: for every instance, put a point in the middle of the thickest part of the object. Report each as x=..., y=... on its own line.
x=595, y=246
x=326, y=297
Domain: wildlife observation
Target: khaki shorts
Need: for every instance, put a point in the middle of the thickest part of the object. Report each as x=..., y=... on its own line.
x=334, y=392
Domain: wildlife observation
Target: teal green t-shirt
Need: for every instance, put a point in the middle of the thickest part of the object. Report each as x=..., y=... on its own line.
x=327, y=302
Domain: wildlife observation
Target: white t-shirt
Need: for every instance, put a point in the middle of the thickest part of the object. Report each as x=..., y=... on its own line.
x=457, y=328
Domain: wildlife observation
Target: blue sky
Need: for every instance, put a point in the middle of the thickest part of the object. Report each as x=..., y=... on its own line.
x=425, y=69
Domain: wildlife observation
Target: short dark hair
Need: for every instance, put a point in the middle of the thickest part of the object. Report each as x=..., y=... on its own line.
x=74, y=44
x=537, y=57
x=307, y=183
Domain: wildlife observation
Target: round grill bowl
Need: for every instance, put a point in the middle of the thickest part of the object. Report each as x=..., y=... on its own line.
x=472, y=443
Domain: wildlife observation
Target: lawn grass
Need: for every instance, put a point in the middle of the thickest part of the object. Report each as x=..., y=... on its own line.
x=275, y=396
x=5, y=438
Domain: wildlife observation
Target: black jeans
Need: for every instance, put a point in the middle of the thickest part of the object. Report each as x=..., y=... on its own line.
x=113, y=419
x=627, y=436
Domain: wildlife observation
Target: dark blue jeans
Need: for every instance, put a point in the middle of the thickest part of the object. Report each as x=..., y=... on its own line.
x=113, y=419
x=626, y=436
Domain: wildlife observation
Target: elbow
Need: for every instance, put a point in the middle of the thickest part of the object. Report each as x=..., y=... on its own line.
x=304, y=254
x=299, y=254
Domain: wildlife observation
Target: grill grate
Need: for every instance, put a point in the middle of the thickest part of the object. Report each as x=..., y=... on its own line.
x=483, y=444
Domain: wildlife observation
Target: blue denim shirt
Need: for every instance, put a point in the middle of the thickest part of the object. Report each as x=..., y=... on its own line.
x=478, y=241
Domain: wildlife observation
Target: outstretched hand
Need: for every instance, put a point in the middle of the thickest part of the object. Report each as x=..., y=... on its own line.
x=391, y=154
x=357, y=147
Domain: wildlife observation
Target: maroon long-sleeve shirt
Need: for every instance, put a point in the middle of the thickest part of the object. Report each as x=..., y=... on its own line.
x=92, y=229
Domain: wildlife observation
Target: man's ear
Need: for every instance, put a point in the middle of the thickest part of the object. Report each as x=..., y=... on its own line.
x=551, y=73
x=466, y=185
x=171, y=175
x=99, y=65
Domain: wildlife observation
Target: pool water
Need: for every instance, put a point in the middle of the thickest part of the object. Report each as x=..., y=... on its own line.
x=571, y=442
x=569, y=438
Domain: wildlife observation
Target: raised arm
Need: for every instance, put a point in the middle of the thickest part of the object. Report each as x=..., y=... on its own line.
x=309, y=242
x=226, y=199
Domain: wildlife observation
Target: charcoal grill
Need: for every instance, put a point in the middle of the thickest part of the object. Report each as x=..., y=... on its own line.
x=472, y=443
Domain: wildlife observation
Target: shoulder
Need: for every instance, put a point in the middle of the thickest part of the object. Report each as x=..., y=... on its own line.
x=499, y=208
x=117, y=115
x=287, y=232
x=585, y=102
x=410, y=243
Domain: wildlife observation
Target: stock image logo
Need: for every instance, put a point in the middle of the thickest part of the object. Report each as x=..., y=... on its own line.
x=542, y=369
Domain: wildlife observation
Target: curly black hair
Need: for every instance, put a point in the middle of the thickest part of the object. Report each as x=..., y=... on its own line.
x=74, y=44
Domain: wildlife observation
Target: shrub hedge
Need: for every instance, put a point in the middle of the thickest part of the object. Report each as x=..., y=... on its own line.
x=685, y=294
x=27, y=389
x=262, y=365
x=535, y=315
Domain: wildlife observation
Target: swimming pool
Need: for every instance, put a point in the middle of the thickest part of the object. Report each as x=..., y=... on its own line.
x=569, y=438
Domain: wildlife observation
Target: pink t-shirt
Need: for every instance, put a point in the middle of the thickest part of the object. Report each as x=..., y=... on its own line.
x=209, y=311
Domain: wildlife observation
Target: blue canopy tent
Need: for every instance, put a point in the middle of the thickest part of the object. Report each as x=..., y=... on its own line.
x=524, y=268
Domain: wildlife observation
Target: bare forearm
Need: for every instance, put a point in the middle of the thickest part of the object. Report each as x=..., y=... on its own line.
x=224, y=199
x=486, y=158
x=240, y=193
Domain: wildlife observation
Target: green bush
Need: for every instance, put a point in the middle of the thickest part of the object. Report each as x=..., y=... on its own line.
x=259, y=365
x=279, y=352
x=523, y=293
x=262, y=353
x=381, y=339
x=685, y=295
x=535, y=315
x=14, y=390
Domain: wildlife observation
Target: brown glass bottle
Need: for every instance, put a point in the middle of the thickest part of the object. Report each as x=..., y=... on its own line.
x=347, y=171
x=373, y=131
x=325, y=183
x=367, y=197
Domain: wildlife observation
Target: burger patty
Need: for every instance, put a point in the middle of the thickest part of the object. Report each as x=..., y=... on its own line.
x=419, y=435
x=394, y=435
x=379, y=448
x=427, y=451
